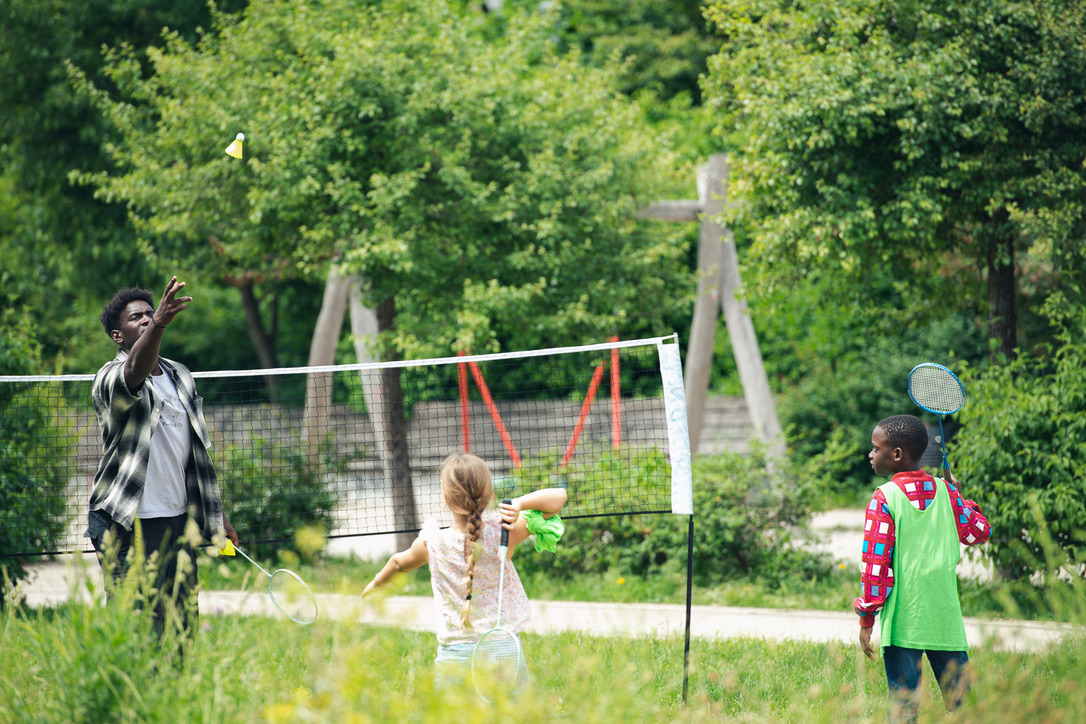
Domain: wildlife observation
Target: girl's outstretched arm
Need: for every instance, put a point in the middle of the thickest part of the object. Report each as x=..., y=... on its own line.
x=547, y=501
x=402, y=562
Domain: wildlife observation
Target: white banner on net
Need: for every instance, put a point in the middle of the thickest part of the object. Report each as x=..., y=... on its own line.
x=678, y=431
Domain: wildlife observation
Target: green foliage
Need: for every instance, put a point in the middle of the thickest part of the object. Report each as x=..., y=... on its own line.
x=488, y=187
x=741, y=530
x=841, y=365
x=34, y=468
x=665, y=43
x=879, y=135
x=270, y=492
x=61, y=250
x=20, y=350
x=1021, y=455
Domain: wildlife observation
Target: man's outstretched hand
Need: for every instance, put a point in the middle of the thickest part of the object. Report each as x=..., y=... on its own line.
x=170, y=304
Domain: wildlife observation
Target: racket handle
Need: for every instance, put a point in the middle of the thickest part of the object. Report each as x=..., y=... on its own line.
x=505, y=531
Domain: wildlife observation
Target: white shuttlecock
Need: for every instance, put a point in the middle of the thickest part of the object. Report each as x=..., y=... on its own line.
x=234, y=149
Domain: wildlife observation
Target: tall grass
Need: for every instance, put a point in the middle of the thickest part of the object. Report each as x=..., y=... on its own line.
x=96, y=662
x=103, y=662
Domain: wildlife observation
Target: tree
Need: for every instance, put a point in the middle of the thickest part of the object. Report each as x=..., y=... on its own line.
x=482, y=192
x=51, y=231
x=893, y=133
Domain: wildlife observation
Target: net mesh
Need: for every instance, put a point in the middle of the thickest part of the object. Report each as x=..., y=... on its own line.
x=291, y=596
x=936, y=389
x=357, y=448
x=495, y=664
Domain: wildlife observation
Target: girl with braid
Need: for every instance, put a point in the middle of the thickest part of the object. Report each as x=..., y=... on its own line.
x=464, y=561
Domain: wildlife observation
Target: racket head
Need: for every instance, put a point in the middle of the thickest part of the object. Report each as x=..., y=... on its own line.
x=496, y=664
x=936, y=389
x=292, y=596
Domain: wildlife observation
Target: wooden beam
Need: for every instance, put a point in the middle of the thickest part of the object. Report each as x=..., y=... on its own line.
x=719, y=283
x=699, y=350
x=748, y=355
x=672, y=211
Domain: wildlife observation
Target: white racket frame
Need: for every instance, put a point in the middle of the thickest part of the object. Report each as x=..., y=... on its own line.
x=503, y=553
x=271, y=594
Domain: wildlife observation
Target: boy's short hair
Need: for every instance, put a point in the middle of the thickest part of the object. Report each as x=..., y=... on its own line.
x=111, y=315
x=908, y=433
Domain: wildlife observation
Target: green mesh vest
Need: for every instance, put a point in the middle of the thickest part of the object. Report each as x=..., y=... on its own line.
x=922, y=611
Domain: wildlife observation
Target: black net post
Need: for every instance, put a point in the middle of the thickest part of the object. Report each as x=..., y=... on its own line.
x=689, y=602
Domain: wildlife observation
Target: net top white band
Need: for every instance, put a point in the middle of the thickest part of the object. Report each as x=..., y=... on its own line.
x=376, y=365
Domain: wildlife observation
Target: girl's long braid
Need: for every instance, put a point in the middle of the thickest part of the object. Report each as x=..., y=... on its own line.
x=465, y=480
x=475, y=531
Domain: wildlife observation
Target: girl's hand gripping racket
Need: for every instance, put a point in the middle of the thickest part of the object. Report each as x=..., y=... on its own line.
x=495, y=664
x=287, y=591
x=937, y=390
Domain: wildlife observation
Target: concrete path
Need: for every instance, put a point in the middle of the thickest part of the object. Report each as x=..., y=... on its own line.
x=55, y=581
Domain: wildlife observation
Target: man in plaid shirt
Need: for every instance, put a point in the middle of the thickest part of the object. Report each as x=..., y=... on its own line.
x=156, y=467
x=915, y=525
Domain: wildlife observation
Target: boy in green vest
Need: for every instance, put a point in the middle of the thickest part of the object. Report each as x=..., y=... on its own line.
x=912, y=534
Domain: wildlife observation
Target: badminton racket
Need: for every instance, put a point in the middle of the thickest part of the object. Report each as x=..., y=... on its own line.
x=937, y=390
x=495, y=663
x=288, y=592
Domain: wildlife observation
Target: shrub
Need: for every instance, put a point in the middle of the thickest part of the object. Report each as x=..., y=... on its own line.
x=271, y=491
x=33, y=463
x=1022, y=445
x=842, y=398
x=742, y=523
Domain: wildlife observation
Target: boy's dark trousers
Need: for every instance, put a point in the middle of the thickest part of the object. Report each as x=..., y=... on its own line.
x=903, y=675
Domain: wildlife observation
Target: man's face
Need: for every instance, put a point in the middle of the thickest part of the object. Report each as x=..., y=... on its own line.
x=883, y=456
x=135, y=319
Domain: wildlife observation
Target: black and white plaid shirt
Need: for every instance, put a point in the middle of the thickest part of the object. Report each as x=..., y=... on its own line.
x=127, y=421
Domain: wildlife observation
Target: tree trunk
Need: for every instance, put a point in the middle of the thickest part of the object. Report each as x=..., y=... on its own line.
x=384, y=403
x=396, y=453
x=1002, y=319
x=322, y=351
x=263, y=342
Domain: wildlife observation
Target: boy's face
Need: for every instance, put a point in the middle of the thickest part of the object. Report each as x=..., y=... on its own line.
x=885, y=459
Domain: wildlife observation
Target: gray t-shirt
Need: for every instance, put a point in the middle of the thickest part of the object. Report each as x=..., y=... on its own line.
x=164, y=493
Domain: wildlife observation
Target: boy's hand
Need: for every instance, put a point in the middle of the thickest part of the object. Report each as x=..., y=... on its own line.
x=865, y=642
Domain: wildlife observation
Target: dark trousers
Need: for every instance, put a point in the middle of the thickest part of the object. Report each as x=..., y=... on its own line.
x=167, y=537
x=903, y=675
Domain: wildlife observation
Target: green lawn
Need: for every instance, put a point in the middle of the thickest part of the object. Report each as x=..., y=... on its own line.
x=92, y=664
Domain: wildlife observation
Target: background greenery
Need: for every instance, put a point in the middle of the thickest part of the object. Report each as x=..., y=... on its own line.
x=907, y=181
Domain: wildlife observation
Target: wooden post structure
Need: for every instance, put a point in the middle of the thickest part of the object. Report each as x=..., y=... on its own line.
x=720, y=287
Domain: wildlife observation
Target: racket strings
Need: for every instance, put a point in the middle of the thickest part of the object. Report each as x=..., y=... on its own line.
x=496, y=662
x=936, y=391
x=291, y=596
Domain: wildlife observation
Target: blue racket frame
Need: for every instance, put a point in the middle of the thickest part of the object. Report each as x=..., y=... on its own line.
x=940, y=413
